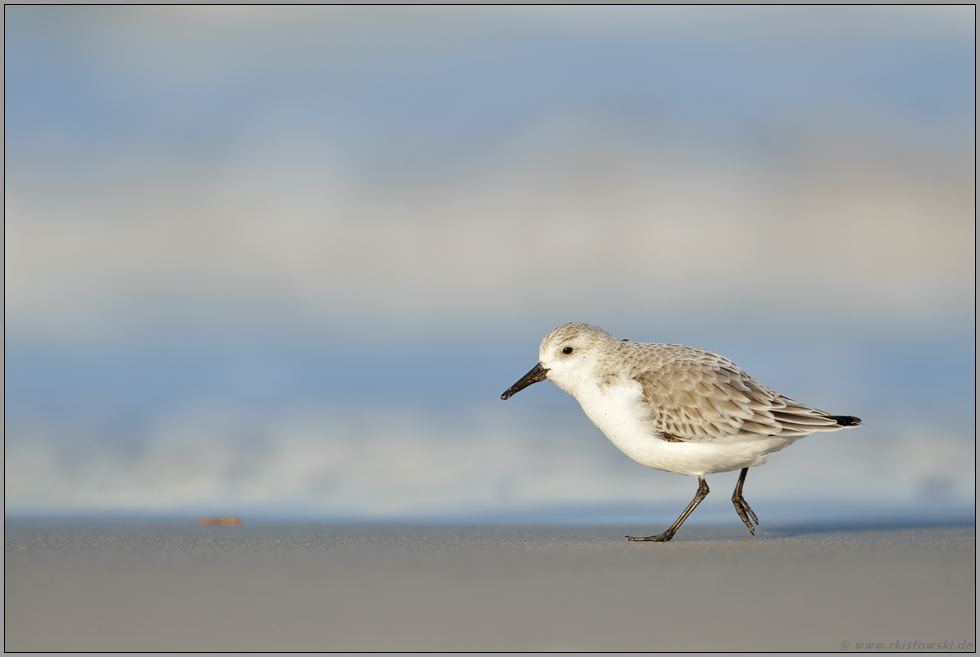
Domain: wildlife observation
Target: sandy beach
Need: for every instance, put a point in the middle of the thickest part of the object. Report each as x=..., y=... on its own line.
x=175, y=586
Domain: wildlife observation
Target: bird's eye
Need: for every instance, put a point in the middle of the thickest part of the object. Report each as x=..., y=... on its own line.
x=566, y=350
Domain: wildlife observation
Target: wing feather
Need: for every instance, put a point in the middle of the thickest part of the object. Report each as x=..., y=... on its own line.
x=696, y=395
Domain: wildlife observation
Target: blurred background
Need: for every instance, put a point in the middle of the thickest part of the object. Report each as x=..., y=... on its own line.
x=282, y=262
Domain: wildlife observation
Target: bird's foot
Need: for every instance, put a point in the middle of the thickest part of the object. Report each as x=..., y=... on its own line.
x=741, y=508
x=659, y=538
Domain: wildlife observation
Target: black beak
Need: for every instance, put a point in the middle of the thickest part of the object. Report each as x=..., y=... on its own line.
x=536, y=374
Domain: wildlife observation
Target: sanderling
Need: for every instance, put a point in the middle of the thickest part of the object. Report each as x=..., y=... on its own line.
x=675, y=408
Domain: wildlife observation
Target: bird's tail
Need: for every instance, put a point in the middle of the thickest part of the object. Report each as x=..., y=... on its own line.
x=846, y=420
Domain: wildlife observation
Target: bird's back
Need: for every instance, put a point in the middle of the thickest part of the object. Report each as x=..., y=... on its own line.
x=697, y=395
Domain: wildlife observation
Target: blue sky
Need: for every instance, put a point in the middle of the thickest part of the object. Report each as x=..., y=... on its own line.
x=288, y=259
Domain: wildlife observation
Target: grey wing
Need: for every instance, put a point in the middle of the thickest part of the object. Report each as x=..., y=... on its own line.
x=699, y=396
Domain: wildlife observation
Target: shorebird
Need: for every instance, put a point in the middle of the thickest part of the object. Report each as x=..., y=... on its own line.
x=675, y=408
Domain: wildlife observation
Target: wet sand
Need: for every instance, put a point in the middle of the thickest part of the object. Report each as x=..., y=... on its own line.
x=174, y=586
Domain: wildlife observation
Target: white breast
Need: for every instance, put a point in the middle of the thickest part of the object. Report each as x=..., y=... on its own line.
x=621, y=413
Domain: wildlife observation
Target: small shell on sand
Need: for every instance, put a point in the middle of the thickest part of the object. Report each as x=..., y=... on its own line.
x=226, y=521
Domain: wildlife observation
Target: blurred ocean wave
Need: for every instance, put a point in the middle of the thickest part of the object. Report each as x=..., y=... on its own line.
x=373, y=463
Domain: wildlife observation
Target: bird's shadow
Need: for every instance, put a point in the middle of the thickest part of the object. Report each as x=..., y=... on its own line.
x=809, y=529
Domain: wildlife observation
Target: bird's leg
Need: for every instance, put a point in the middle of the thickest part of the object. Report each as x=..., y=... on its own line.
x=741, y=506
x=669, y=534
